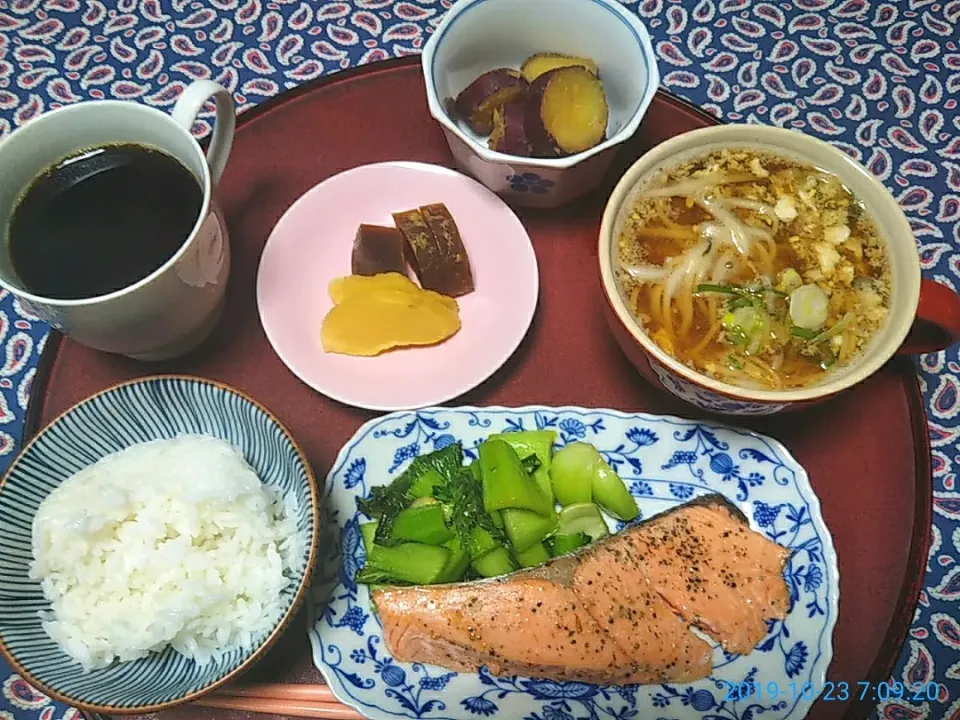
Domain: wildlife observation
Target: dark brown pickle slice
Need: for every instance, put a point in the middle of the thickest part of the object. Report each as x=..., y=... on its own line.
x=436, y=250
x=378, y=249
x=422, y=247
x=456, y=276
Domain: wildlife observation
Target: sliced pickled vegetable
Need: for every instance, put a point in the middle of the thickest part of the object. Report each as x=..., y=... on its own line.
x=494, y=563
x=506, y=483
x=572, y=471
x=809, y=306
x=526, y=528
x=564, y=544
x=413, y=563
x=532, y=556
x=424, y=523
x=610, y=493
x=582, y=518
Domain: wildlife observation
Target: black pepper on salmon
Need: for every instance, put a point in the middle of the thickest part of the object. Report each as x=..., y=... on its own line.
x=621, y=610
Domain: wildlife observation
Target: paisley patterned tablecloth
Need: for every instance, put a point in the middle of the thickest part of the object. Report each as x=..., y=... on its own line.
x=879, y=79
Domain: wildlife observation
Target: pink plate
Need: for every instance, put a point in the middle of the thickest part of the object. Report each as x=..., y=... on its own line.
x=311, y=245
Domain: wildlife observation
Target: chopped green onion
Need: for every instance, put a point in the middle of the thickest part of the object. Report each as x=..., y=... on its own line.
x=748, y=326
x=739, y=302
x=723, y=289
x=754, y=294
x=842, y=325
x=809, y=307
x=803, y=333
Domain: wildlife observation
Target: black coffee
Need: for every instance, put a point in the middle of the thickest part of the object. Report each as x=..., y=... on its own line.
x=101, y=220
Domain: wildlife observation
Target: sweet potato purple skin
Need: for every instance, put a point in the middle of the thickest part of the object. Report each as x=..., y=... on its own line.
x=509, y=134
x=477, y=102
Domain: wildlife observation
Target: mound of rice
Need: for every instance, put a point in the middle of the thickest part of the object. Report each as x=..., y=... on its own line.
x=170, y=542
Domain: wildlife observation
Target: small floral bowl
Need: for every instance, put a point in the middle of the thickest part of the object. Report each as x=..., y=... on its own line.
x=481, y=35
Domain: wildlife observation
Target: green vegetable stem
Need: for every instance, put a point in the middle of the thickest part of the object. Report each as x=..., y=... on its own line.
x=565, y=544
x=582, y=518
x=538, y=443
x=441, y=521
x=526, y=528
x=494, y=563
x=481, y=542
x=505, y=482
x=572, y=473
x=457, y=563
x=610, y=493
x=422, y=523
x=420, y=479
x=413, y=563
x=534, y=555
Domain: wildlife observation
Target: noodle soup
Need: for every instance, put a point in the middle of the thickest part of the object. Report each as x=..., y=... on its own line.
x=754, y=269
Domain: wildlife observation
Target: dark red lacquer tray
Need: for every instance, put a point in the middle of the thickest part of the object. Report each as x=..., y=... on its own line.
x=872, y=476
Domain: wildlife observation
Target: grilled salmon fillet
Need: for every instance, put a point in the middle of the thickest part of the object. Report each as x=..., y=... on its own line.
x=617, y=612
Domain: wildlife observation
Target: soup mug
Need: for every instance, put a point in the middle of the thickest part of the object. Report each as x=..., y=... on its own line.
x=174, y=309
x=923, y=316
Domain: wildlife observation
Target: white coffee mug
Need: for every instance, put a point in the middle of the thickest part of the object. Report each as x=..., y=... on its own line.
x=175, y=308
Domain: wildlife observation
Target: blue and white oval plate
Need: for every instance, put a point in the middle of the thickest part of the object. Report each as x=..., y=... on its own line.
x=665, y=461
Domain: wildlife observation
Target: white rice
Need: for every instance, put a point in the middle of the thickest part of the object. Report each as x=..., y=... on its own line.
x=170, y=542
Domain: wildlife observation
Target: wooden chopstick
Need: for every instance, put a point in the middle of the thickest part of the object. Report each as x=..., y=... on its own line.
x=291, y=700
x=273, y=706
x=279, y=691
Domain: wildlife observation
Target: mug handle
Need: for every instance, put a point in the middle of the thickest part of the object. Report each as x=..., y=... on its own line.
x=188, y=107
x=937, y=326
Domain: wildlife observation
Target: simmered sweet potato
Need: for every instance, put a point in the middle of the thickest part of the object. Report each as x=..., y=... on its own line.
x=566, y=112
x=536, y=65
x=479, y=99
x=509, y=134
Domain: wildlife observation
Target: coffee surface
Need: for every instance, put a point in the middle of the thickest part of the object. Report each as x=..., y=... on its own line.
x=101, y=220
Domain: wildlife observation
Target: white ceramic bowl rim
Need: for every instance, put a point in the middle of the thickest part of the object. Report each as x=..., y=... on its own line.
x=906, y=278
x=439, y=113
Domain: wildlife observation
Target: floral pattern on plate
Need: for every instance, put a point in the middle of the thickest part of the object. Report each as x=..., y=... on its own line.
x=665, y=461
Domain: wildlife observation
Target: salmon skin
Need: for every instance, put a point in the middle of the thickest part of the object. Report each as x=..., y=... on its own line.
x=621, y=611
